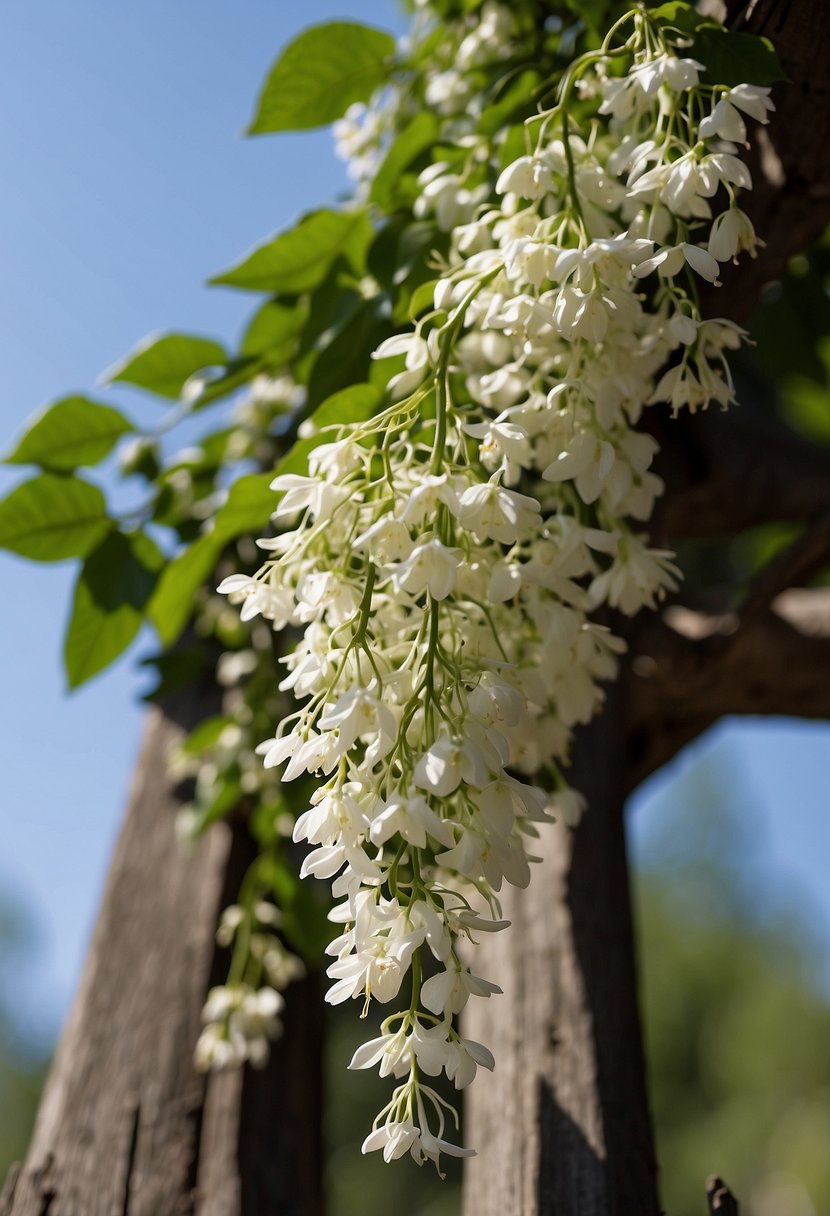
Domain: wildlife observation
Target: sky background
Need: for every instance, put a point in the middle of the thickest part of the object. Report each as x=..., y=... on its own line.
x=126, y=184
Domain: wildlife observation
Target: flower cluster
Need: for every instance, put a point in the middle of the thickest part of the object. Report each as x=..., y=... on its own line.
x=444, y=560
x=242, y=1017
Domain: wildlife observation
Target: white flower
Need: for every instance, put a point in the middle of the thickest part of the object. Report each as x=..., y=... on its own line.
x=678, y=74
x=753, y=99
x=447, y=763
x=395, y=1139
x=732, y=233
x=448, y=991
x=431, y=567
x=413, y=818
x=723, y=123
x=387, y=540
x=491, y=512
x=670, y=260
x=528, y=177
x=416, y=361
x=359, y=714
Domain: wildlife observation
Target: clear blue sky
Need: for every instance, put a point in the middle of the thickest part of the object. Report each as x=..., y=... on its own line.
x=126, y=184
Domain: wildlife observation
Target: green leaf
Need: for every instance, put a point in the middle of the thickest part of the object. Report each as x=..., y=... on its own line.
x=729, y=58
x=114, y=585
x=422, y=298
x=415, y=138
x=354, y=404
x=732, y=58
x=247, y=509
x=299, y=260
x=518, y=98
x=163, y=363
x=677, y=15
x=346, y=355
x=72, y=432
x=274, y=330
x=304, y=910
x=320, y=74
x=237, y=373
x=50, y=518
x=172, y=601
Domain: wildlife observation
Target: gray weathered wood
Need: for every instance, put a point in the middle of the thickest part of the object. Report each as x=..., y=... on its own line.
x=562, y=1125
x=126, y=1126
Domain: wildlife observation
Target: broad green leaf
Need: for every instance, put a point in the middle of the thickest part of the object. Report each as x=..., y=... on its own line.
x=248, y=507
x=415, y=138
x=678, y=15
x=113, y=587
x=320, y=74
x=729, y=58
x=72, y=432
x=518, y=97
x=346, y=355
x=354, y=404
x=331, y=306
x=422, y=298
x=163, y=363
x=237, y=373
x=733, y=58
x=401, y=258
x=274, y=330
x=50, y=518
x=172, y=601
x=299, y=260
x=594, y=14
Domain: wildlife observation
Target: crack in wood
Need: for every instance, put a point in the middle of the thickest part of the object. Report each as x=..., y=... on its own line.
x=131, y=1158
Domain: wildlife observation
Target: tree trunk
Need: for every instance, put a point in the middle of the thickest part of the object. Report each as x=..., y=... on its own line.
x=563, y=1120
x=126, y=1126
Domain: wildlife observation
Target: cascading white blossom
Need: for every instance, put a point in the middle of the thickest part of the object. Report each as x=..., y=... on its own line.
x=444, y=559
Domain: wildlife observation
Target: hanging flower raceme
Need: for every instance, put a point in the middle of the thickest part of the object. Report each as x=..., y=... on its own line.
x=443, y=560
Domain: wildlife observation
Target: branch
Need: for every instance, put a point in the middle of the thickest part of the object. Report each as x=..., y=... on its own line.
x=689, y=668
x=727, y=472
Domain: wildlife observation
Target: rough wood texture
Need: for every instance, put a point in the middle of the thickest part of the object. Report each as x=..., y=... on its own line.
x=126, y=1126
x=562, y=1124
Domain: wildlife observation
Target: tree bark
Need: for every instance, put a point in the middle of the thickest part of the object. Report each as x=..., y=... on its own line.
x=562, y=1124
x=126, y=1126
